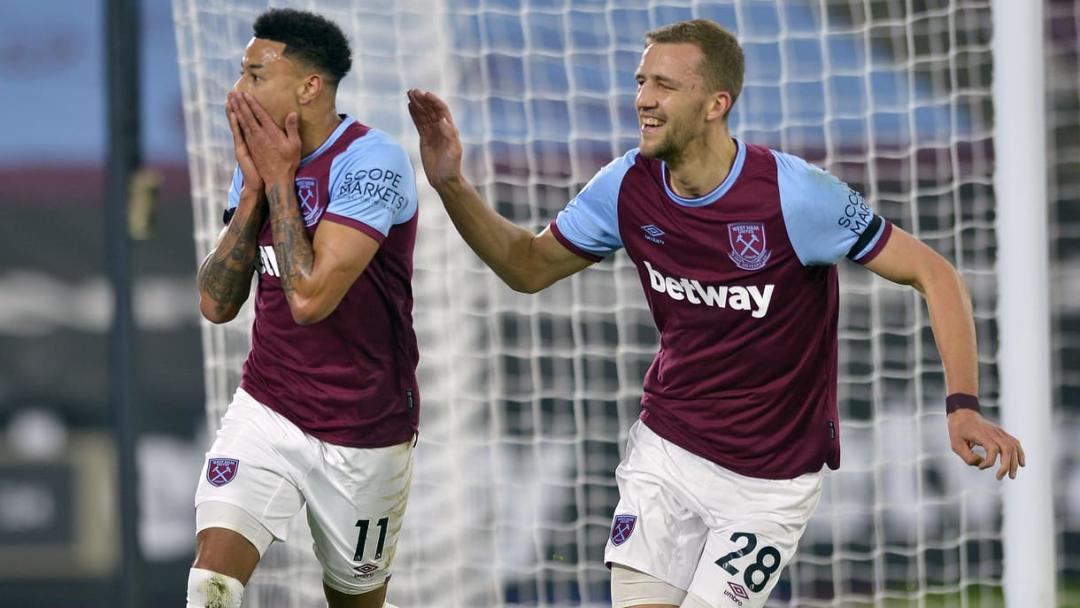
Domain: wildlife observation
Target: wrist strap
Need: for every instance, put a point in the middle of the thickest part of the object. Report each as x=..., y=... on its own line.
x=961, y=401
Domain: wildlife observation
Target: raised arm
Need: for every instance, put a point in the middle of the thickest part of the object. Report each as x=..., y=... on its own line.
x=908, y=261
x=315, y=275
x=524, y=261
x=224, y=277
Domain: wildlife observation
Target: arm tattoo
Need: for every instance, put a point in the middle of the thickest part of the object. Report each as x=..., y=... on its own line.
x=292, y=246
x=225, y=274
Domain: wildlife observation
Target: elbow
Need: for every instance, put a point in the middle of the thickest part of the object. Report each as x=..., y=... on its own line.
x=307, y=312
x=215, y=312
x=523, y=283
x=941, y=275
x=523, y=287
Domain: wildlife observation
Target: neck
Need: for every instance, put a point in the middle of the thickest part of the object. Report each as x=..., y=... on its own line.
x=703, y=165
x=316, y=128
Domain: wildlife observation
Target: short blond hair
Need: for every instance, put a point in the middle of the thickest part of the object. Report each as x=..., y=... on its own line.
x=723, y=63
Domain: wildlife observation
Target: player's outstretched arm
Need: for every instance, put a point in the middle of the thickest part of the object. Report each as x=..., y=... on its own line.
x=224, y=277
x=526, y=262
x=908, y=261
x=315, y=275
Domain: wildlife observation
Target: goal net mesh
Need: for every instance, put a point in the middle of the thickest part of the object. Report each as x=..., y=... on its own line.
x=527, y=399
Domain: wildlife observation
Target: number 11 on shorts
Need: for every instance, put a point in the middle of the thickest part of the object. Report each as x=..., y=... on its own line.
x=361, y=537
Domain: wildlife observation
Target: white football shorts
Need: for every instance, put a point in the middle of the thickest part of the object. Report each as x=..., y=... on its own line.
x=700, y=527
x=264, y=464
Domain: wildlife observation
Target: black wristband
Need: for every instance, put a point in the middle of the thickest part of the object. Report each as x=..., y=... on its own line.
x=961, y=401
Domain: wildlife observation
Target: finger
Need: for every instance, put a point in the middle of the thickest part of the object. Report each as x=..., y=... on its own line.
x=420, y=109
x=234, y=126
x=292, y=129
x=414, y=108
x=964, y=451
x=257, y=110
x=439, y=107
x=1022, y=459
x=1015, y=453
x=248, y=122
x=992, y=451
x=1006, y=462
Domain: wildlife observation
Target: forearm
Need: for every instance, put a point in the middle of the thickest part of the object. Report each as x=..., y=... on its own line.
x=501, y=244
x=292, y=245
x=224, y=277
x=953, y=324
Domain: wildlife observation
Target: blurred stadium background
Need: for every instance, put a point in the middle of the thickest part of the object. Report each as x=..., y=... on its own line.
x=551, y=392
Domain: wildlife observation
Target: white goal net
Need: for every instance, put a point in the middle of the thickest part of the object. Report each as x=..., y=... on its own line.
x=527, y=399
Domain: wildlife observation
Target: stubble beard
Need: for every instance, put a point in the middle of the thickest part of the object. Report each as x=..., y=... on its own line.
x=669, y=149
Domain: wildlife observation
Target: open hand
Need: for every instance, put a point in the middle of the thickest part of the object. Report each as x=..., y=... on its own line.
x=275, y=152
x=440, y=144
x=240, y=150
x=967, y=428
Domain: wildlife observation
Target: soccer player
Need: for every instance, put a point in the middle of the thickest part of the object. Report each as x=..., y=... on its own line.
x=323, y=209
x=735, y=246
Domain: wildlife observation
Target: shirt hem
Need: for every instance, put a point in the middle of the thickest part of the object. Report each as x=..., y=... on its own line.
x=357, y=224
x=878, y=246
x=578, y=251
x=398, y=436
x=746, y=471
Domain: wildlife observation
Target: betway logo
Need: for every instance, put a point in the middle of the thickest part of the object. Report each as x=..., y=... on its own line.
x=735, y=297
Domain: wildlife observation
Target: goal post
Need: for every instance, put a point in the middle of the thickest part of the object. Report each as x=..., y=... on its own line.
x=527, y=400
x=1024, y=297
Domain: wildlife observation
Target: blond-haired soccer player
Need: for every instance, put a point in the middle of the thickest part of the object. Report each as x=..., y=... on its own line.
x=323, y=209
x=735, y=246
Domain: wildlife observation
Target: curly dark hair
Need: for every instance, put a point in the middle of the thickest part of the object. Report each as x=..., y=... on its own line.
x=310, y=38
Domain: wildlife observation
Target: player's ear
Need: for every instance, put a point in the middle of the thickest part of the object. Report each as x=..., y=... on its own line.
x=720, y=104
x=311, y=87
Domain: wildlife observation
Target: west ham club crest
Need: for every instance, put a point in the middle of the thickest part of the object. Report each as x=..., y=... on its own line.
x=748, y=245
x=622, y=528
x=307, y=193
x=220, y=471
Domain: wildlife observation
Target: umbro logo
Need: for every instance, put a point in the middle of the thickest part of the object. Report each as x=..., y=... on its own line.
x=366, y=570
x=736, y=593
x=738, y=590
x=653, y=233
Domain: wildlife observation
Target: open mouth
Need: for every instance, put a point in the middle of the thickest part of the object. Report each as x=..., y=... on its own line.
x=650, y=124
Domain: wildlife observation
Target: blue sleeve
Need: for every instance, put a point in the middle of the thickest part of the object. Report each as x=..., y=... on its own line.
x=590, y=222
x=826, y=219
x=234, y=195
x=234, y=189
x=372, y=183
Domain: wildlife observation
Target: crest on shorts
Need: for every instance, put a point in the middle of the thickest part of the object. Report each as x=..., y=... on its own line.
x=307, y=194
x=748, y=249
x=220, y=471
x=622, y=528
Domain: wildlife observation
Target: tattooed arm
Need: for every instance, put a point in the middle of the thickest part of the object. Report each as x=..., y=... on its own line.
x=315, y=275
x=224, y=277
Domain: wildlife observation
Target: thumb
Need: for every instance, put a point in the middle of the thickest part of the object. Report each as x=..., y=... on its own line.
x=964, y=451
x=292, y=126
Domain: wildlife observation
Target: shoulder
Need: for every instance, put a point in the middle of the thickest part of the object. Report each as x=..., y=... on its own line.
x=621, y=164
x=376, y=145
x=609, y=178
x=800, y=172
x=374, y=157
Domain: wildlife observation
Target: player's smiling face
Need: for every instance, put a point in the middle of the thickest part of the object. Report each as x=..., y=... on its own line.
x=271, y=77
x=672, y=101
